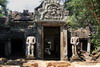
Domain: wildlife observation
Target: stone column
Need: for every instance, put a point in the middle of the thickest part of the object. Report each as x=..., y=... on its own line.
x=39, y=46
x=63, y=44
x=81, y=44
x=89, y=46
x=8, y=48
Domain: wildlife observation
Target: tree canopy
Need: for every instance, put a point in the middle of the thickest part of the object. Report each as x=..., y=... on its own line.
x=83, y=12
x=3, y=10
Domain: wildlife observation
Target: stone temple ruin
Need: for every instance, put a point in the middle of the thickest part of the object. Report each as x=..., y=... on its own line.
x=47, y=24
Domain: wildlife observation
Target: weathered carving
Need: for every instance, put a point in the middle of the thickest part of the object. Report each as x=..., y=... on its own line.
x=75, y=41
x=31, y=30
x=52, y=11
x=49, y=46
x=30, y=41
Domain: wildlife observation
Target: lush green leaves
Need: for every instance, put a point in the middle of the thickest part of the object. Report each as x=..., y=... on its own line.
x=85, y=11
x=3, y=7
x=3, y=2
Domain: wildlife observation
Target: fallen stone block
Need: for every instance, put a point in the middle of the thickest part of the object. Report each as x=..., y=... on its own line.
x=58, y=64
x=13, y=62
x=30, y=65
x=3, y=60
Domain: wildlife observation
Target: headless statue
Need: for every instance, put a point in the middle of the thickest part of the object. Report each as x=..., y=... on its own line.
x=30, y=41
x=74, y=41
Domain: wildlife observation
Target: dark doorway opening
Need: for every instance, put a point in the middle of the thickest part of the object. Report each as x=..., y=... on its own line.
x=2, y=48
x=52, y=43
x=17, y=48
x=69, y=49
x=83, y=44
x=69, y=45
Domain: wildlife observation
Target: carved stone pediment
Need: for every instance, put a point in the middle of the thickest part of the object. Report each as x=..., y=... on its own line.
x=53, y=11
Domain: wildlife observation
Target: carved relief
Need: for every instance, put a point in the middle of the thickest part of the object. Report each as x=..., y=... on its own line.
x=53, y=11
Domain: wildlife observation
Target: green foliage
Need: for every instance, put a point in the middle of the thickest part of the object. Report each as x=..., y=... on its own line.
x=1, y=12
x=82, y=12
x=75, y=13
x=96, y=37
x=1, y=15
x=3, y=2
x=3, y=7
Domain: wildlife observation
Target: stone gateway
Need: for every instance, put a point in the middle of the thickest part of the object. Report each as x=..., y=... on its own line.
x=42, y=34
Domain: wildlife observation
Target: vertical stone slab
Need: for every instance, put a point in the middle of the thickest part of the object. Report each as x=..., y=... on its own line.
x=61, y=44
x=89, y=35
x=81, y=48
x=39, y=43
x=8, y=47
x=89, y=47
x=64, y=44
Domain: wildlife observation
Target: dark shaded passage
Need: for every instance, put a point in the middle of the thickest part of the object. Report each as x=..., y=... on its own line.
x=17, y=48
x=52, y=43
x=2, y=48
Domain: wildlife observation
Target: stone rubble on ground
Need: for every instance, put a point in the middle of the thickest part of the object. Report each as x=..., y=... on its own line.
x=43, y=63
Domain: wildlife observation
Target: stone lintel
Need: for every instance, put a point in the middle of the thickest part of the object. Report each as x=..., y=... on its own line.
x=51, y=23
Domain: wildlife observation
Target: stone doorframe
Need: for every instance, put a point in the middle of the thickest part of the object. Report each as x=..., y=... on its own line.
x=63, y=38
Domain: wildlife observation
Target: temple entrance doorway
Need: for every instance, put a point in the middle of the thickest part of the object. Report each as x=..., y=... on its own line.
x=51, y=43
x=17, y=48
x=83, y=44
x=2, y=48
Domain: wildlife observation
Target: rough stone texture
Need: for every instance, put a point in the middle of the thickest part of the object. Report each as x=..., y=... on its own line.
x=58, y=64
x=48, y=64
x=87, y=57
x=39, y=42
x=3, y=20
x=30, y=63
x=10, y=66
x=41, y=63
x=51, y=11
x=13, y=62
x=86, y=64
x=3, y=60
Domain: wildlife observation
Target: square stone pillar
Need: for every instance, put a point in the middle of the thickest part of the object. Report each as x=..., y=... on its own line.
x=39, y=47
x=63, y=44
x=89, y=47
x=89, y=43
